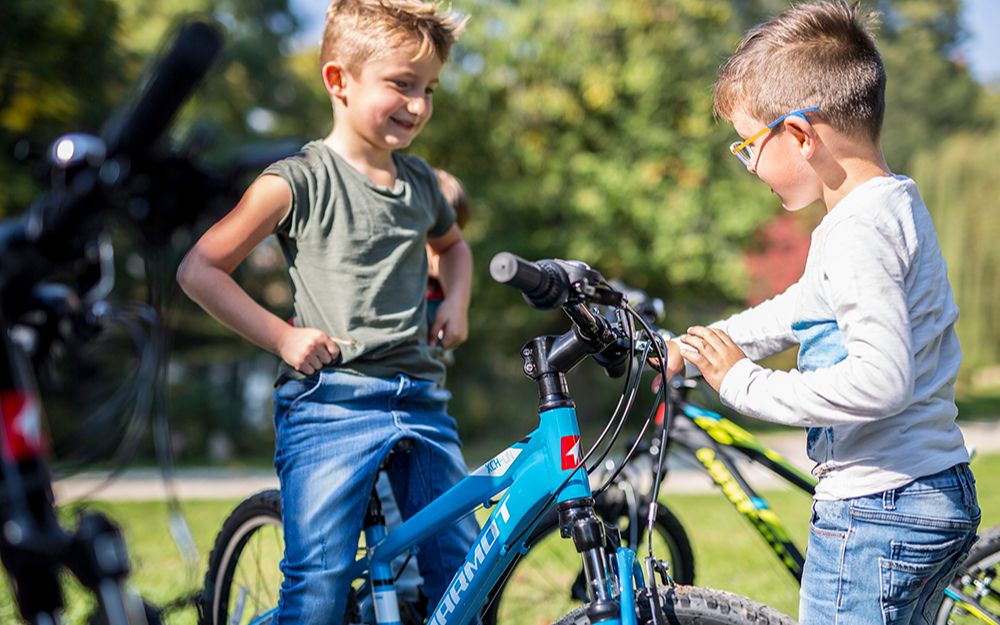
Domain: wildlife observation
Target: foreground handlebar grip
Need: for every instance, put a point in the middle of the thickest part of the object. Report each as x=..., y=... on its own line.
x=544, y=284
x=171, y=82
x=512, y=270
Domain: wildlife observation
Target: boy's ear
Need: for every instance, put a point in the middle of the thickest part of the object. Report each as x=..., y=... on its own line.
x=335, y=79
x=804, y=133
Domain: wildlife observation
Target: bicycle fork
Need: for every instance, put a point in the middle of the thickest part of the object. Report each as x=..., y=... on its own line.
x=617, y=591
x=578, y=521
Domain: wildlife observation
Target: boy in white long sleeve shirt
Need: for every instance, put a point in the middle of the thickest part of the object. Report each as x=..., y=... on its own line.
x=873, y=316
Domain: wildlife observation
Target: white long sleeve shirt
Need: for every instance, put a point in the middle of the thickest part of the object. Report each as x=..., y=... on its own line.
x=874, y=318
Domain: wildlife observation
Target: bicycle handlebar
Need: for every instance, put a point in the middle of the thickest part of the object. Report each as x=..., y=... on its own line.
x=552, y=283
x=63, y=223
x=137, y=128
x=171, y=82
x=573, y=286
x=64, y=229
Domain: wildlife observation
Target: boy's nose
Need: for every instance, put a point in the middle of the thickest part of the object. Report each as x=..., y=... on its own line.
x=417, y=106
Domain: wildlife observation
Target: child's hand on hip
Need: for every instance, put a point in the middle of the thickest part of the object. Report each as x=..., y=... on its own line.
x=307, y=349
x=451, y=324
x=712, y=351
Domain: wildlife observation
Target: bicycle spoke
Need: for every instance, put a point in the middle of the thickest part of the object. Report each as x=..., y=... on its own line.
x=256, y=576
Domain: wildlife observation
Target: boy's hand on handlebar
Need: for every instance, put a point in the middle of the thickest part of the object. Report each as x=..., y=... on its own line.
x=451, y=324
x=712, y=351
x=307, y=349
x=675, y=363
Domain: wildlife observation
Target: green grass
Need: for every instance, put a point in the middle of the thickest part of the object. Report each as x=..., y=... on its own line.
x=729, y=554
x=159, y=571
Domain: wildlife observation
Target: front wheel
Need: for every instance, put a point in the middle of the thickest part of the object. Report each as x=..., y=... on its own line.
x=548, y=581
x=977, y=579
x=690, y=605
x=243, y=575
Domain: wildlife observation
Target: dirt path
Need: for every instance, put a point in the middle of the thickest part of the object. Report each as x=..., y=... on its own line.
x=144, y=484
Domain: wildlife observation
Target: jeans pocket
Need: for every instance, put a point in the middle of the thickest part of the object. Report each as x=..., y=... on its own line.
x=907, y=574
x=824, y=521
x=292, y=392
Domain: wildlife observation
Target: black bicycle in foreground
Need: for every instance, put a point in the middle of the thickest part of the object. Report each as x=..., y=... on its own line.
x=55, y=294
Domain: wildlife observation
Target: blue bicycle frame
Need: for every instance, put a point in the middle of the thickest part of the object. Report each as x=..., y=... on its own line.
x=541, y=468
x=532, y=471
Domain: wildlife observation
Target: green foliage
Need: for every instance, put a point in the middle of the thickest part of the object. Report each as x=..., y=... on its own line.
x=930, y=94
x=58, y=68
x=959, y=183
x=582, y=129
x=596, y=119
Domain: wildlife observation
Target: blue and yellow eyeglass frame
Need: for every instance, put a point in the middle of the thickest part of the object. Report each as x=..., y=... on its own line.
x=742, y=149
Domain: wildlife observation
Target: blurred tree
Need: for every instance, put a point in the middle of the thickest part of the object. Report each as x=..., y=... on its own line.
x=930, y=93
x=775, y=261
x=959, y=183
x=60, y=68
x=582, y=129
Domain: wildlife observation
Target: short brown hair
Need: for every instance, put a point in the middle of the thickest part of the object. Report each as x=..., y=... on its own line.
x=820, y=54
x=358, y=31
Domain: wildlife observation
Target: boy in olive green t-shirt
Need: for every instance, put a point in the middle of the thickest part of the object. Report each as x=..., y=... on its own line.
x=352, y=217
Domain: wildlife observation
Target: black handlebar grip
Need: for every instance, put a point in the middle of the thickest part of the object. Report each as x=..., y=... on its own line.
x=172, y=80
x=512, y=270
x=544, y=284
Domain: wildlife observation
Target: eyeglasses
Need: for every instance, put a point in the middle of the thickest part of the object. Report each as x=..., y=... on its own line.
x=743, y=150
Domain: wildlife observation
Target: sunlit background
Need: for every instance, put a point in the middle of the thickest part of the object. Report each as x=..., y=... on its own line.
x=582, y=129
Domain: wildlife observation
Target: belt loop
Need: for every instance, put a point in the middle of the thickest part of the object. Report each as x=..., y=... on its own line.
x=889, y=499
x=402, y=385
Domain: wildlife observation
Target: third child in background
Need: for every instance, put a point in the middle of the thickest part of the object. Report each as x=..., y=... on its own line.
x=454, y=192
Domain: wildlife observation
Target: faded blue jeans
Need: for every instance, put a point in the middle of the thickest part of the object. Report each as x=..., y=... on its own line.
x=885, y=559
x=333, y=431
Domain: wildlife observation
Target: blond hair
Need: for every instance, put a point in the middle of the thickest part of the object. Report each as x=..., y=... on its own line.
x=358, y=31
x=821, y=54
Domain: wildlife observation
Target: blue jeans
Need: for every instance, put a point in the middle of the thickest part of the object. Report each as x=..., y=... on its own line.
x=886, y=558
x=332, y=432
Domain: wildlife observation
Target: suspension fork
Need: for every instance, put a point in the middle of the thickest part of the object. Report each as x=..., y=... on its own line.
x=578, y=521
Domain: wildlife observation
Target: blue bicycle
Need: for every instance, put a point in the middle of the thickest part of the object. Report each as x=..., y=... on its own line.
x=519, y=485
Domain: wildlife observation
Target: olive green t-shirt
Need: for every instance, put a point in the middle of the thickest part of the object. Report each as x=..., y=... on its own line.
x=357, y=260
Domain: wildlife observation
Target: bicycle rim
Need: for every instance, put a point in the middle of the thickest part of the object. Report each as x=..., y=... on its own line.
x=250, y=574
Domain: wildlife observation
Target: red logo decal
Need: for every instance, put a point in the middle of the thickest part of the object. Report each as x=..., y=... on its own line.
x=571, y=455
x=22, y=425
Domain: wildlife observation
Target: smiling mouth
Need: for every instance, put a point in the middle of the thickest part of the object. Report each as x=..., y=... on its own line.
x=404, y=124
